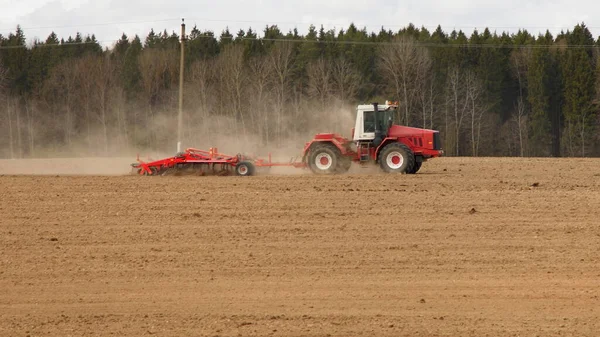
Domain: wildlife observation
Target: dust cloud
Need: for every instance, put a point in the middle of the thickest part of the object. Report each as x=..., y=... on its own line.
x=66, y=166
x=109, y=152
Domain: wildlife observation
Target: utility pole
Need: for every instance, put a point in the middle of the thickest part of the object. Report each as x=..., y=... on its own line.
x=181, y=66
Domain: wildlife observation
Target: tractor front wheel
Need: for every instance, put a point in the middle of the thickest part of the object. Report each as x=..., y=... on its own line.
x=396, y=158
x=324, y=158
x=416, y=167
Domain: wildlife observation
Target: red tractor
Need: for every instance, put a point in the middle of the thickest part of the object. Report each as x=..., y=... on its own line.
x=375, y=139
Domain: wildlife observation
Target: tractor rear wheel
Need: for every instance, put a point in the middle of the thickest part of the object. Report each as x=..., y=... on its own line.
x=324, y=158
x=244, y=168
x=344, y=164
x=396, y=158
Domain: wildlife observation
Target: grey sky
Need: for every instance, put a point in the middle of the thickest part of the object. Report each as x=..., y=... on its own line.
x=109, y=19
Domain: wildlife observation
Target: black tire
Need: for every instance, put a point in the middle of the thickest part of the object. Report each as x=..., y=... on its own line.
x=244, y=169
x=396, y=158
x=344, y=165
x=416, y=167
x=324, y=158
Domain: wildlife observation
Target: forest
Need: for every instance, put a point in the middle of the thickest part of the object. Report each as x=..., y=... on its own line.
x=489, y=93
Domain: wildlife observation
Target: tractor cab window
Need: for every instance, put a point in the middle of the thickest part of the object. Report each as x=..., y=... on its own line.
x=369, y=121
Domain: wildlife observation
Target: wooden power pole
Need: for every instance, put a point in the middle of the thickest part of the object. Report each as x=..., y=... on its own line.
x=181, y=68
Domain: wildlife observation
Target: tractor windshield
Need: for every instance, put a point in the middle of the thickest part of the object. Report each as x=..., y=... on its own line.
x=385, y=119
x=388, y=118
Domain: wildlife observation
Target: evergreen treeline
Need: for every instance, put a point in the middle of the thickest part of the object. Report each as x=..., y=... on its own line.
x=488, y=93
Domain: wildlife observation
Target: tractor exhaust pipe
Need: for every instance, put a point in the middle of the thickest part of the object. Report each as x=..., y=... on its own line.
x=376, y=115
x=378, y=132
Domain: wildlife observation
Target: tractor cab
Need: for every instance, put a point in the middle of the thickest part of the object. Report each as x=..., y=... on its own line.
x=373, y=121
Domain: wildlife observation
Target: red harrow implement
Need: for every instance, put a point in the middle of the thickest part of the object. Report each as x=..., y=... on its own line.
x=211, y=162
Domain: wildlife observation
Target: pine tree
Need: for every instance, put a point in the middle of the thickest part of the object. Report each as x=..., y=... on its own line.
x=362, y=56
x=253, y=46
x=130, y=73
x=579, y=81
x=16, y=59
x=200, y=46
x=543, y=87
x=306, y=53
x=152, y=40
x=225, y=38
x=493, y=69
x=120, y=48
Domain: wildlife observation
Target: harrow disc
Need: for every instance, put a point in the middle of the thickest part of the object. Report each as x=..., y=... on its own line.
x=198, y=169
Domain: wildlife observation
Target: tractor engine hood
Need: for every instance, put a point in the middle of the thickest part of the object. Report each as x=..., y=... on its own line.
x=407, y=131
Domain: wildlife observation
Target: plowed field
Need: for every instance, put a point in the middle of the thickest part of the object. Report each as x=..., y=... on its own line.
x=467, y=247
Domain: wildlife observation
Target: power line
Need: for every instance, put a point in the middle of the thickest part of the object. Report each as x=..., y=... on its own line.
x=295, y=24
x=47, y=45
x=389, y=25
x=91, y=24
x=373, y=43
x=417, y=44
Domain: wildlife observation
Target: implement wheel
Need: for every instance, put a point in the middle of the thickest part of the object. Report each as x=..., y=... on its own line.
x=244, y=168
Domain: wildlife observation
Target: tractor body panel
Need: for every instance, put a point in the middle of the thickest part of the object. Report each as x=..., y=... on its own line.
x=423, y=142
x=339, y=141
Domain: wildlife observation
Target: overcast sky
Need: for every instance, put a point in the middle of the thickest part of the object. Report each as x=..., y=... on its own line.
x=108, y=19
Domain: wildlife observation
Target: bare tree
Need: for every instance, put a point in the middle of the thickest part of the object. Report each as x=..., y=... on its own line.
x=346, y=80
x=4, y=97
x=458, y=102
x=233, y=82
x=100, y=76
x=432, y=99
x=30, y=113
x=59, y=93
x=464, y=99
x=10, y=128
x=319, y=81
x=117, y=104
x=3, y=80
x=260, y=73
x=280, y=58
x=85, y=81
x=405, y=65
x=520, y=119
x=590, y=114
x=427, y=96
x=200, y=99
x=474, y=92
x=159, y=69
x=597, y=101
x=583, y=122
x=519, y=61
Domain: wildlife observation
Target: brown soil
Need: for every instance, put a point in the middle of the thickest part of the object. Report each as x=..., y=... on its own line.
x=467, y=247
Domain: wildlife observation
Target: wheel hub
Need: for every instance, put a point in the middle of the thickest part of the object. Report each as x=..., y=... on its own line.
x=395, y=160
x=323, y=161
